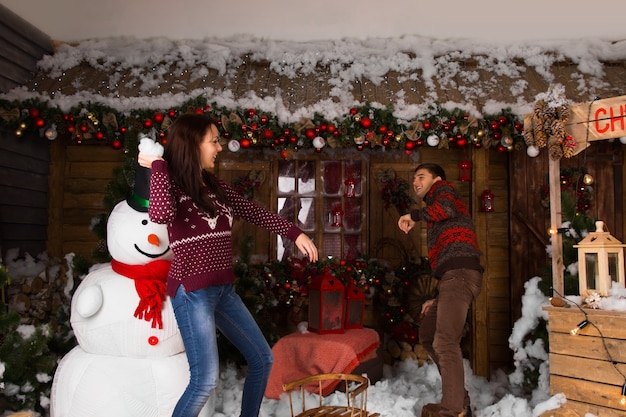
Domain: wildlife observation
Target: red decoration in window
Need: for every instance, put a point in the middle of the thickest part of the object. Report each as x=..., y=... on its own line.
x=350, y=189
x=337, y=217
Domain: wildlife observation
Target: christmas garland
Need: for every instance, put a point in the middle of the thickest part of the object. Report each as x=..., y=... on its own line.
x=364, y=127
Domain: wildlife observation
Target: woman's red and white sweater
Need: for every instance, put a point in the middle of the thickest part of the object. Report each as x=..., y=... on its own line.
x=202, y=244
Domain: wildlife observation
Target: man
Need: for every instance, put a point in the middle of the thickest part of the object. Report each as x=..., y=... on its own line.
x=455, y=261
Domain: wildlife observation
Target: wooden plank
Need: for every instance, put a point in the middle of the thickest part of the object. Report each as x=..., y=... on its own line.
x=29, y=34
x=588, y=347
x=581, y=409
x=90, y=169
x=14, y=195
x=7, y=84
x=23, y=214
x=589, y=392
x=25, y=180
x=95, y=153
x=88, y=200
x=33, y=232
x=596, y=370
x=610, y=323
x=80, y=233
x=75, y=185
x=31, y=145
x=23, y=163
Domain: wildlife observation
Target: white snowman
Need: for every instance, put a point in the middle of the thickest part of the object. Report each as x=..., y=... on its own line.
x=130, y=359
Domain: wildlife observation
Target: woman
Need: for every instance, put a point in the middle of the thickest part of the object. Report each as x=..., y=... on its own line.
x=198, y=209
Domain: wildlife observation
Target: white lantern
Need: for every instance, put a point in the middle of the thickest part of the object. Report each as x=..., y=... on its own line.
x=600, y=262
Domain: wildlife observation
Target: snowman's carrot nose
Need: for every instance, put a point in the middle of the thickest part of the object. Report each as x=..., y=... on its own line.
x=153, y=239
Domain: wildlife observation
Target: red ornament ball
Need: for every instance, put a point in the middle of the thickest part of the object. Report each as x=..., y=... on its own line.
x=366, y=122
x=268, y=134
x=117, y=144
x=158, y=117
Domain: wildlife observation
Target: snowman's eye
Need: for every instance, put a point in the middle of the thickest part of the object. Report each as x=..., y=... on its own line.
x=144, y=222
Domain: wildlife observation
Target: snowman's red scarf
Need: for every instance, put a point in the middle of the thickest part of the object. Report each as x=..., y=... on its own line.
x=150, y=281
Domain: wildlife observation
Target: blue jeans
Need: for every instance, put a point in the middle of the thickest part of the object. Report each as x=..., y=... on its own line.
x=199, y=314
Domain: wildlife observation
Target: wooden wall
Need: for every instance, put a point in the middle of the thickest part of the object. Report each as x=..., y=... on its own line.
x=24, y=164
x=79, y=175
x=22, y=46
x=530, y=219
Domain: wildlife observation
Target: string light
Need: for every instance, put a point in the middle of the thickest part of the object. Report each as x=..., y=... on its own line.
x=580, y=326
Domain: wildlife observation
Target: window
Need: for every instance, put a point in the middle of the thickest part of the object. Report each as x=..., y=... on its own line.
x=325, y=199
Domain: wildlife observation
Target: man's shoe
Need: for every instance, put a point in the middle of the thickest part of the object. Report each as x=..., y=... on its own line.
x=431, y=410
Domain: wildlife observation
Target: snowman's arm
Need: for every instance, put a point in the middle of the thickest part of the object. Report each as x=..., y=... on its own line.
x=89, y=301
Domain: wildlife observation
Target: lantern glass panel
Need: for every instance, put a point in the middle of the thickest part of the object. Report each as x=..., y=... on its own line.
x=354, y=314
x=333, y=310
x=592, y=268
x=613, y=259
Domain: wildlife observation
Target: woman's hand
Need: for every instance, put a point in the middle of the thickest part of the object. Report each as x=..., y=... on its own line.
x=406, y=223
x=146, y=160
x=307, y=247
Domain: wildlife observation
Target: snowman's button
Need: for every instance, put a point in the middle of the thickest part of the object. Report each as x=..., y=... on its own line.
x=153, y=340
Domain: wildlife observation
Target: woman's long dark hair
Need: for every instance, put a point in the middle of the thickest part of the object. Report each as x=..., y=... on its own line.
x=182, y=153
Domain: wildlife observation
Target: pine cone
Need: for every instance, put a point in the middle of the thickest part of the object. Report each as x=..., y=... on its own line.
x=558, y=302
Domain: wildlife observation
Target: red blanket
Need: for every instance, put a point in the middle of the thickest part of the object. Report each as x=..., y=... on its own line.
x=302, y=354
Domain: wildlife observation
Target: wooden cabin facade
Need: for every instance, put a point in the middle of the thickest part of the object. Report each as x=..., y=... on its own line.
x=512, y=237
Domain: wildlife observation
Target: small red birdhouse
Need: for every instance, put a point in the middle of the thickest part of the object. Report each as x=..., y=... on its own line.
x=355, y=308
x=326, y=304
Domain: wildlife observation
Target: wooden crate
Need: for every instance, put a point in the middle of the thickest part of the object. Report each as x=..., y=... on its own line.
x=588, y=368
